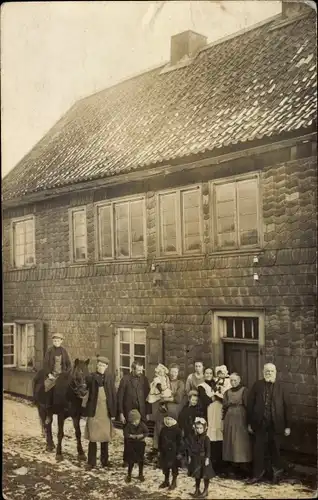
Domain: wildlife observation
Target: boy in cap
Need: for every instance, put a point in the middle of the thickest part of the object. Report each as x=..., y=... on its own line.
x=56, y=361
x=135, y=433
x=101, y=411
x=170, y=448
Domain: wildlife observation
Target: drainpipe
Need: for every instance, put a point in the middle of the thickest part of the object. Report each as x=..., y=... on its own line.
x=163, y=345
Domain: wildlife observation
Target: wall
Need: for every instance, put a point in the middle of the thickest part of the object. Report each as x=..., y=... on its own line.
x=80, y=301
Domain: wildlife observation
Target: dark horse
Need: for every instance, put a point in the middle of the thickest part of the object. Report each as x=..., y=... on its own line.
x=67, y=400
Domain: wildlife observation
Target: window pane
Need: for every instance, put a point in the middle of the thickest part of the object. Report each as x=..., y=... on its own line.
x=247, y=189
x=229, y=327
x=226, y=240
x=124, y=371
x=168, y=223
x=80, y=253
x=105, y=243
x=30, y=345
x=122, y=241
x=137, y=228
x=79, y=234
x=248, y=222
x=8, y=350
x=226, y=208
x=248, y=328
x=139, y=337
x=125, y=361
x=256, y=328
x=191, y=220
x=226, y=225
x=140, y=350
x=238, y=328
x=8, y=360
x=124, y=349
x=249, y=237
x=225, y=192
x=125, y=336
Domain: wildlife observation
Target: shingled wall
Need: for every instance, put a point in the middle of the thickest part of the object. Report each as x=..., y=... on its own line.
x=77, y=300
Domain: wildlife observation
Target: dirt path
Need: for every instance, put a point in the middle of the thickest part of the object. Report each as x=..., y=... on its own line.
x=30, y=473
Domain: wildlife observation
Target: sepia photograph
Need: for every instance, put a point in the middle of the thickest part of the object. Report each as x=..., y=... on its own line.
x=159, y=249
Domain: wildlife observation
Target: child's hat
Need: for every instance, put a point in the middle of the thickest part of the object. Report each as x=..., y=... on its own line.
x=162, y=367
x=133, y=415
x=58, y=336
x=193, y=392
x=222, y=369
x=200, y=420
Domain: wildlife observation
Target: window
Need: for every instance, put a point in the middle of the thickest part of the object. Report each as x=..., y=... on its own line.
x=19, y=345
x=131, y=347
x=240, y=328
x=236, y=211
x=23, y=242
x=78, y=234
x=121, y=229
x=180, y=222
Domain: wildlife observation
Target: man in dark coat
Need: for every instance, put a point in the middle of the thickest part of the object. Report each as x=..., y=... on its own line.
x=132, y=395
x=268, y=420
x=101, y=411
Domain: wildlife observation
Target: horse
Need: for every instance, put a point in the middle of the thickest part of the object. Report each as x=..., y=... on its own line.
x=68, y=393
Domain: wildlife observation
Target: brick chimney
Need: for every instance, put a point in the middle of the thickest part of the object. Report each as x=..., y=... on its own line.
x=294, y=8
x=187, y=43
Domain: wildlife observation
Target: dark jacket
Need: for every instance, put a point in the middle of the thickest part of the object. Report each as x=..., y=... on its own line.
x=110, y=391
x=170, y=446
x=256, y=405
x=135, y=448
x=204, y=399
x=199, y=451
x=187, y=417
x=49, y=360
x=132, y=394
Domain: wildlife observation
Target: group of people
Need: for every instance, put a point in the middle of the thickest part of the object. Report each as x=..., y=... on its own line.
x=204, y=424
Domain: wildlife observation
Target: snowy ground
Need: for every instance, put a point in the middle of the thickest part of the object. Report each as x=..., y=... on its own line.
x=30, y=473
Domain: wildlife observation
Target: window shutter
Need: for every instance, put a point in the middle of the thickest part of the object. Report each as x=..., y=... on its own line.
x=105, y=335
x=154, y=351
x=39, y=344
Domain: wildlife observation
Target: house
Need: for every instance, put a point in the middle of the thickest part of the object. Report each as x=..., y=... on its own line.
x=173, y=216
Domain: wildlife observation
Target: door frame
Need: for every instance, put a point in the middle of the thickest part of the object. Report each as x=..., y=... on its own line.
x=217, y=333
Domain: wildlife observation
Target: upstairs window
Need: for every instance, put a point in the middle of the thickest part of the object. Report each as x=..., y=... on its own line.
x=180, y=222
x=78, y=234
x=236, y=214
x=23, y=242
x=121, y=229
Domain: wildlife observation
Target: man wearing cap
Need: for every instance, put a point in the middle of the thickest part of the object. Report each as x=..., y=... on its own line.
x=56, y=361
x=101, y=411
x=132, y=395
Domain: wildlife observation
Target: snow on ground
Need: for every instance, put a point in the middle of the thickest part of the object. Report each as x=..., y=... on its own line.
x=45, y=479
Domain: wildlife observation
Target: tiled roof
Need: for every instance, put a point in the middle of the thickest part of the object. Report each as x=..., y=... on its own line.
x=256, y=85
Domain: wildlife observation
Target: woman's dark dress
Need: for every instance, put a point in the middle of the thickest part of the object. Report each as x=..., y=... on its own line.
x=199, y=451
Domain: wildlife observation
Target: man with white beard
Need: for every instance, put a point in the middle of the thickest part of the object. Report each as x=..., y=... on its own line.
x=267, y=418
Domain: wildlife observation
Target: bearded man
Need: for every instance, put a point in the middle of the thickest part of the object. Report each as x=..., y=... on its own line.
x=267, y=418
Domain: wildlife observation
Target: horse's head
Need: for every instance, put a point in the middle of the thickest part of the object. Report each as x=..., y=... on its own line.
x=79, y=374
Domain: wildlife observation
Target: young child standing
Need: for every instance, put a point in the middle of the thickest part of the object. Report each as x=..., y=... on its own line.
x=56, y=361
x=200, y=466
x=170, y=442
x=135, y=433
x=187, y=418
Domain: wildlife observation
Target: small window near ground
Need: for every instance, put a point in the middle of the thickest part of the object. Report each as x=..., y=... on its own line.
x=23, y=242
x=78, y=233
x=19, y=345
x=132, y=347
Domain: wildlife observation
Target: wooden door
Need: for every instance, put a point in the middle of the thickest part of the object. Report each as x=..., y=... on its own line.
x=242, y=358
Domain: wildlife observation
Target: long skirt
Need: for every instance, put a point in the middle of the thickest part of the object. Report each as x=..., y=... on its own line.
x=215, y=422
x=99, y=428
x=236, y=441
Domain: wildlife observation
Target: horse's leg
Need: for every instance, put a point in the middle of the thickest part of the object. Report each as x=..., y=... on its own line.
x=77, y=428
x=60, y=435
x=48, y=431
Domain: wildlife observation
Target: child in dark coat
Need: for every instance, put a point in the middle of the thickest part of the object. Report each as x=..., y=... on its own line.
x=170, y=442
x=200, y=466
x=187, y=418
x=135, y=433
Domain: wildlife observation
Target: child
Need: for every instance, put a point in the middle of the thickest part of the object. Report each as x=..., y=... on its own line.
x=170, y=440
x=135, y=433
x=187, y=418
x=56, y=361
x=199, y=457
x=160, y=389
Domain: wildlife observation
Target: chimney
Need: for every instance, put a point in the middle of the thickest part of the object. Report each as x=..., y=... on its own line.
x=294, y=8
x=184, y=44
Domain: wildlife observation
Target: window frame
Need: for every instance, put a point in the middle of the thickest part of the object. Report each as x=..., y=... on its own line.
x=118, y=342
x=14, y=221
x=112, y=203
x=17, y=324
x=213, y=213
x=180, y=242
x=71, y=212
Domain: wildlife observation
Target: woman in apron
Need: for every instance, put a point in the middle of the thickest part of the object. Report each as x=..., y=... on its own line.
x=101, y=411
